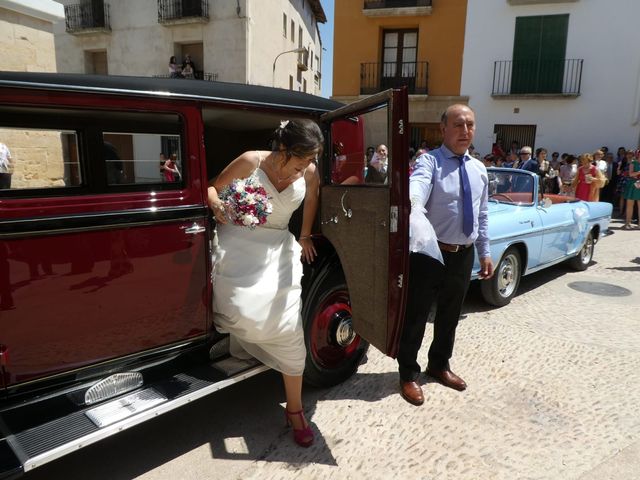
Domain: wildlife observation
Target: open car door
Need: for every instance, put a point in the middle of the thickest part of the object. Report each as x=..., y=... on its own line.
x=364, y=211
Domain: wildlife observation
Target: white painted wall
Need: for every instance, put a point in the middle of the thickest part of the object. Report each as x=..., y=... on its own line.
x=239, y=46
x=266, y=23
x=601, y=32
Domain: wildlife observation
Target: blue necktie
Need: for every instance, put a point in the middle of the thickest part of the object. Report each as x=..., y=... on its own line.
x=467, y=202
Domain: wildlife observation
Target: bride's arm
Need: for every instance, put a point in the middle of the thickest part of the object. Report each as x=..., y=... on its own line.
x=312, y=181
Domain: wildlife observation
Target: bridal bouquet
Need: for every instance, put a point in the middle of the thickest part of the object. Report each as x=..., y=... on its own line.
x=246, y=202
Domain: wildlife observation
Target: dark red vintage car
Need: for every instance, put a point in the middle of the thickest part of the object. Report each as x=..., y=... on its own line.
x=105, y=258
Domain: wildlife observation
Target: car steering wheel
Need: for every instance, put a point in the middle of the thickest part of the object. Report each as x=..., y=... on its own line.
x=509, y=199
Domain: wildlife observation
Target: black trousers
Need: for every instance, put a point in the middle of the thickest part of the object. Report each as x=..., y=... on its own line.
x=430, y=281
x=5, y=181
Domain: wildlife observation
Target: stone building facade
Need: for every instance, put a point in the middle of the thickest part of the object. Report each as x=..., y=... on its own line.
x=27, y=44
x=239, y=41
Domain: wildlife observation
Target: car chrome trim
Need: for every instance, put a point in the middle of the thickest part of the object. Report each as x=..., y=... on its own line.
x=532, y=233
x=98, y=221
x=37, y=461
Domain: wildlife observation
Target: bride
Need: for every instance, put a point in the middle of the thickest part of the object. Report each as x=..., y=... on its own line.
x=257, y=272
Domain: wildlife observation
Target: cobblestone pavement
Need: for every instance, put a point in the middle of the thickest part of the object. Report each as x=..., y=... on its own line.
x=554, y=389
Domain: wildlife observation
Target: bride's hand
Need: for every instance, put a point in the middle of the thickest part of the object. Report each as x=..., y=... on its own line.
x=308, y=249
x=219, y=212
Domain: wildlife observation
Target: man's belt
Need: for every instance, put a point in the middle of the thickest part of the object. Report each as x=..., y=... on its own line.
x=448, y=247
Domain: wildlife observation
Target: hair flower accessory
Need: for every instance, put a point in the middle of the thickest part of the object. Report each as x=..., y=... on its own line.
x=284, y=123
x=246, y=202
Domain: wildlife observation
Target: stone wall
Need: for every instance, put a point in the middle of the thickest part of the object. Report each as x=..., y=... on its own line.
x=37, y=157
x=27, y=45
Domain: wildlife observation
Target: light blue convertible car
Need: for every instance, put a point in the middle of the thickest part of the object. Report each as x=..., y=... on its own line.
x=530, y=231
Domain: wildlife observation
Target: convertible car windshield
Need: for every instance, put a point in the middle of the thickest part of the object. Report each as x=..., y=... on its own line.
x=511, y=186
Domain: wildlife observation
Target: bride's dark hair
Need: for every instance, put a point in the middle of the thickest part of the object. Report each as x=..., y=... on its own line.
x=298, y=137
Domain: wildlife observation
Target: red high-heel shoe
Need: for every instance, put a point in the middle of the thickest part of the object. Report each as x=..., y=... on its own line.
x=302, y=436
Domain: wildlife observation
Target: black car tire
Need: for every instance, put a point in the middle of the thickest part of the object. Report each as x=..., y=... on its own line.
x=582, y=261
x=503, y=286
x=334, y=351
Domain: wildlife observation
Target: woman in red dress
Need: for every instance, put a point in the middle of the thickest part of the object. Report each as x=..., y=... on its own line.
x=588, y=181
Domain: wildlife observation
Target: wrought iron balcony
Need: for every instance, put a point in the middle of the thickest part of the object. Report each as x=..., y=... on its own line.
x=183, y=11
x=197, y=75
x=537, y=77
x=373, y=4
x=87, y=17
x=376, y=77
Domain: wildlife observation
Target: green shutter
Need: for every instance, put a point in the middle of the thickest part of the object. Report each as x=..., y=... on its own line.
x=539, y=54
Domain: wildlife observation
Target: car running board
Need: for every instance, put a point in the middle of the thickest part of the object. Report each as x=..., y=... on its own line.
x=23, y=451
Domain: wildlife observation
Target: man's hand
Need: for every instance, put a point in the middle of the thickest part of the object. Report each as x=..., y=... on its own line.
x=486, y=268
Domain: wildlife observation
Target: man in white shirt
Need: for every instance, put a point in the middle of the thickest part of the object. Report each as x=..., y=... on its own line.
x=6, y=167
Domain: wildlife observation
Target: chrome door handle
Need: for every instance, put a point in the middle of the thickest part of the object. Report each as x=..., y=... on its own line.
x=347, y=211
x=194, y=229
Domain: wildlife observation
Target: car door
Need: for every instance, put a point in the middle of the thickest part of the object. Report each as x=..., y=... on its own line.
x=365, y=217
x=103, y=257
x=564, y=229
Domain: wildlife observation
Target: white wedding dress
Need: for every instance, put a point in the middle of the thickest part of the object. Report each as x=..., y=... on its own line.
x=256, y=284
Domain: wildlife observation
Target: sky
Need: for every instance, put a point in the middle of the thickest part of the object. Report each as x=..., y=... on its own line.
x=326, y=33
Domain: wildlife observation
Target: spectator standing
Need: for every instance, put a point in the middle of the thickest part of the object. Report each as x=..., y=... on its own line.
x=497, y=150
x=174, y=68
x=187, y=71
x=589, y=180
x=623, y=174
x=607, y=190
x=632, y=190
x=527, y=162
x=599, y=161
x=170, y=169
x=567, y=174
x=188, y=61
x=6, y=167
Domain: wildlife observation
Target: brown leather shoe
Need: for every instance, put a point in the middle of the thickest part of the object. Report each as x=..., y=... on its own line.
x=411, y=392
x=448, y=379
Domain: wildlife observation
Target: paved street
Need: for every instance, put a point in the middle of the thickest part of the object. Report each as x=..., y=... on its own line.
x=554, y=389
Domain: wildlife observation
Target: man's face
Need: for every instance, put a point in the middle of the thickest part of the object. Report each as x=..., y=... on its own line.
x=459, y=129
x=382, y=151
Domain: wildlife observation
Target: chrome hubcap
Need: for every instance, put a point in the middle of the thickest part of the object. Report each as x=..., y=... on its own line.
x=586, y=251
x=507, y=275
x=344, y=329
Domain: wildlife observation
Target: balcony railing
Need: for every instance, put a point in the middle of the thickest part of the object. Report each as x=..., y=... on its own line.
x=537, y=77
x=372, y=4
x=376, y=77
x=197, y=75
x=181, y=11
x=87, y=17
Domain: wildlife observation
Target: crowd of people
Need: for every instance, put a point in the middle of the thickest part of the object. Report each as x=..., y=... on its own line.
x=595, y=176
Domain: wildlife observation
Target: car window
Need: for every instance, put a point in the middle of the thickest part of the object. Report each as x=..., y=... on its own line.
x=361, y=149
x=142, y=158
x=39, y=159
x=507, y=186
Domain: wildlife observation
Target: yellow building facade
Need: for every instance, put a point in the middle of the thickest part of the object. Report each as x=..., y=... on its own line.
x=380, y=44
